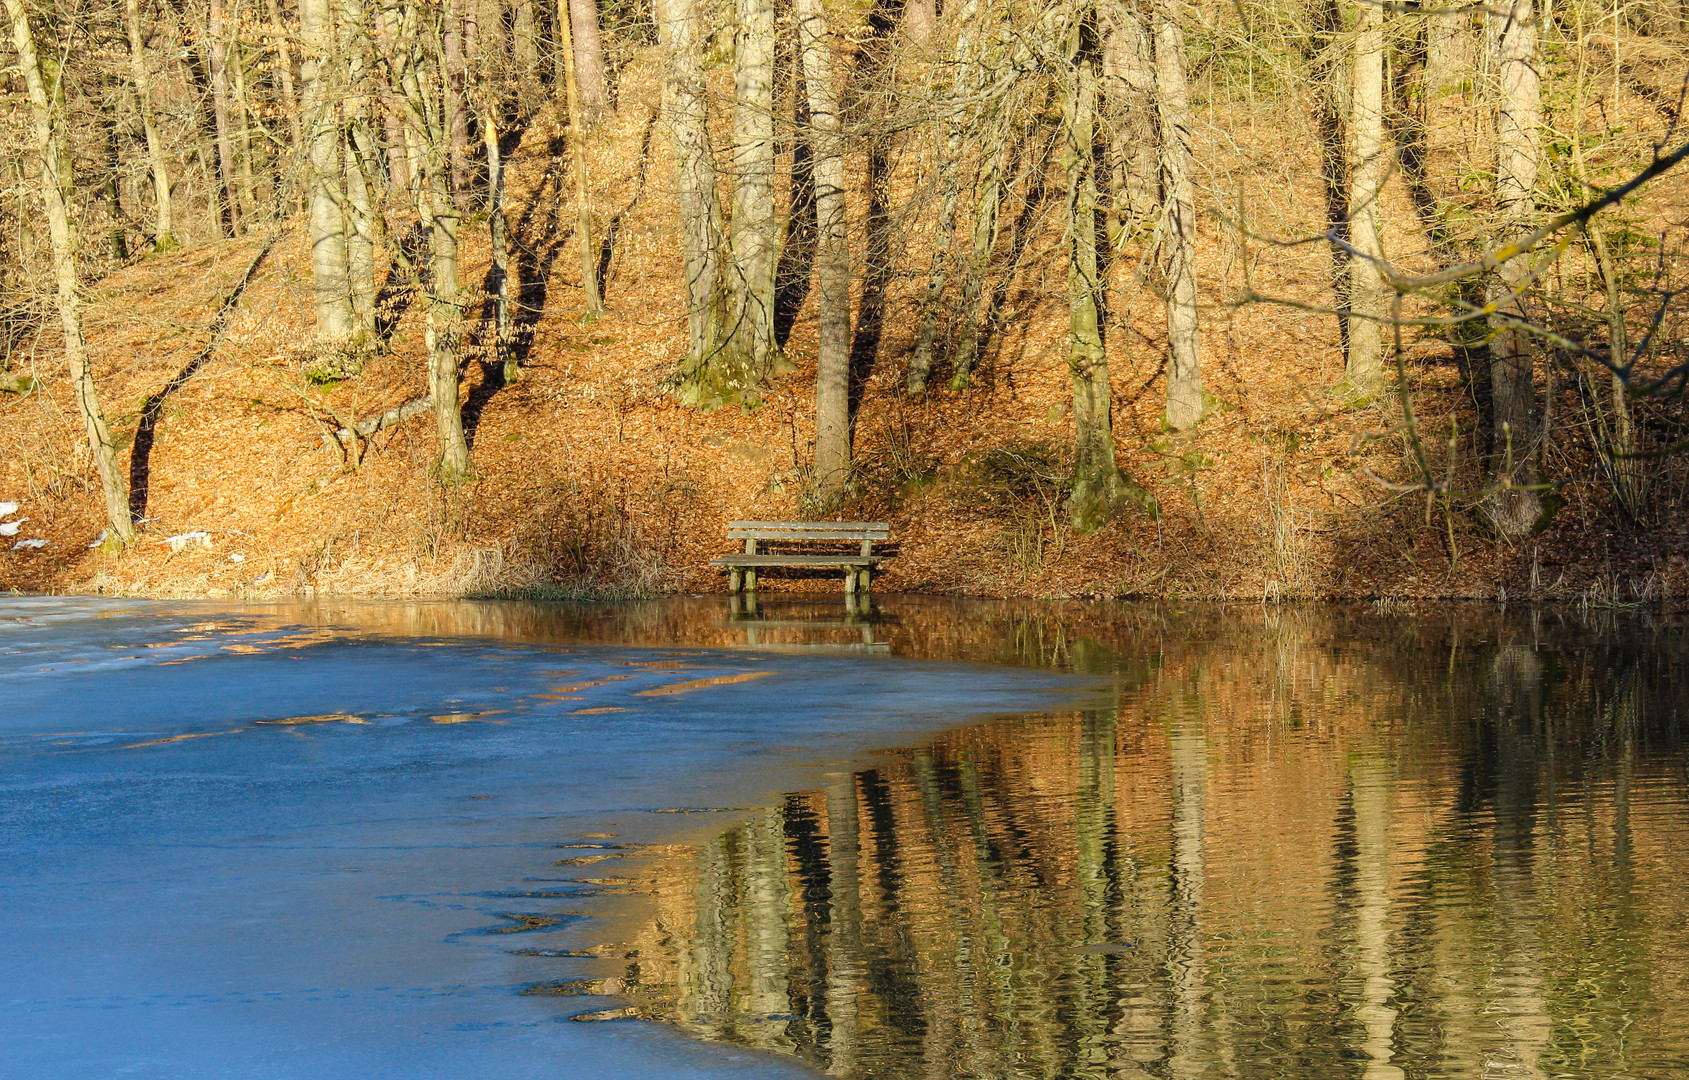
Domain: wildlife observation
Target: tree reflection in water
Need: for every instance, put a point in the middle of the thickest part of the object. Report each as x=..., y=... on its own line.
x=1285, y=850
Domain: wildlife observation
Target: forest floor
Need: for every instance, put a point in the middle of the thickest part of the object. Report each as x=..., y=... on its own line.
x=590, y=480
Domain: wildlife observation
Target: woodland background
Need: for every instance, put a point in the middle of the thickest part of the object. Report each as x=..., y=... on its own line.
x=1089, y=298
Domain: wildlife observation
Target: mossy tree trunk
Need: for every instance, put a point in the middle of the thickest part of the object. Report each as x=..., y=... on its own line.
x=1100, y=492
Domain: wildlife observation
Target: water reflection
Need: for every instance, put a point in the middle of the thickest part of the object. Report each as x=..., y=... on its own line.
x=1300, y=845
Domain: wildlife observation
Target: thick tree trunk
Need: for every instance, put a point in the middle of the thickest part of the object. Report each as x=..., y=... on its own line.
x=832, y=255
x=588, y=52
x=1178, y=245
x=685, y=106
x=330, y=280
x=1128, y=94
x=164, y=229
x=217, y=72
x=1448, y=52
x=525, y=48
x=577, y=151
x=755, y=235
x=1514, y=507
x=56, y=180
x=1099, y=490
x=1364, y=370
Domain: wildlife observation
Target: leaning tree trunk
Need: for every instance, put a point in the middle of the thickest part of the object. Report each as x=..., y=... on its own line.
x=832, y=256
x=1099, y=489
x=755, y=235
x=56, y=180
x=164, y=229
x=1514, y=506
x=329, y=276
x=588, y=53
x=1184, y=358
x=1364, y=368
x=498, y=274
x=685, y=105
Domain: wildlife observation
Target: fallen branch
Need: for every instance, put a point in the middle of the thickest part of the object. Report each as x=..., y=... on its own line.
x=393, y=417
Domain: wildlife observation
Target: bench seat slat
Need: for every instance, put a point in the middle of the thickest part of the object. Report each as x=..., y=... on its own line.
x=796, y=560
x=807, y=530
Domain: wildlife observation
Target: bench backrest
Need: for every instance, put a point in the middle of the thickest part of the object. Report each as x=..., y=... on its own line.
x=808, y=530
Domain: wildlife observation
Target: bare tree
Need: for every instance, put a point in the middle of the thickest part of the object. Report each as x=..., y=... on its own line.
x=164, y=227
x=832, y=255
x=588, y=52
x=217, y=38
x=331, y=282
x=685, y=107
x=1099, y=489
x=1172, y=99
x=755, y=226
x=1515, y=507
x=46, y=103
x=577, y=151
x=1364, y=369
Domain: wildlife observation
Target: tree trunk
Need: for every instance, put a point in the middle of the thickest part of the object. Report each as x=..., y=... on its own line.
x=1364, y=367
x=243, y=134
x=832, y=256
x=577, y=150
x=1184, y=360
x=498, y=275
x=1514, y=507
x=1098, y=487
x=440, y=215
x=987, y=212
x=164, y=229
x=686, y=108
x=1129, y=98
x=755, y=225
x=1447, y=51
x=457, y=107
x=56, y=180
x=920, y=19
x=217, y=72
x=956, y=131
x=329, y=276
x=525, y=48
x=588, y=51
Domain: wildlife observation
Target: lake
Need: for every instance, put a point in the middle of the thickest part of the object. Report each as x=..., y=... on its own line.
x=935, y=838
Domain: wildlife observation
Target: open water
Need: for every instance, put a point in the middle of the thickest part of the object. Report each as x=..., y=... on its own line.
x=938, y=839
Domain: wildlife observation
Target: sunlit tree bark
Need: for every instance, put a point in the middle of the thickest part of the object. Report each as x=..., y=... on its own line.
x=755, y=237
x=217, y=73
x=164, y=228
x=325, y=197
x=832, y=255
x=686, y=111
x=1178, y=245
x=46, y=124
x=1364, y=366
x=588, y=53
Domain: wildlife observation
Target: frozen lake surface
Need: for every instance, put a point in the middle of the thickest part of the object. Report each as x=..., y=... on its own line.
x=293, y=842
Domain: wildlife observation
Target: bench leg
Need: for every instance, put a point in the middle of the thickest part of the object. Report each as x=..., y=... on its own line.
x=863, y=577
x=735, y=581
x=850, y=581
x=750, y=580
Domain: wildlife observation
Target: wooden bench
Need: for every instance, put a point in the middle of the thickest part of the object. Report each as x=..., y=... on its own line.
x=858, y=567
